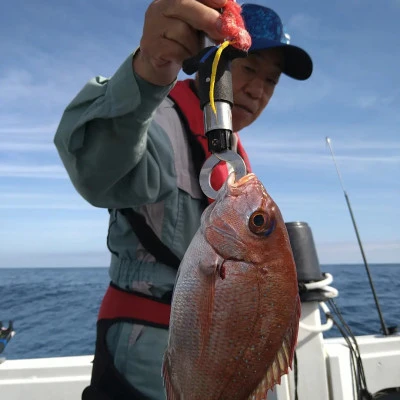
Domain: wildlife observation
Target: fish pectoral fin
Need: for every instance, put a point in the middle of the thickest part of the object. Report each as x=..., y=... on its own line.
x=212, y=269
x=206, y=308
x=221, y=270
x=283, y=359
x=166, y=374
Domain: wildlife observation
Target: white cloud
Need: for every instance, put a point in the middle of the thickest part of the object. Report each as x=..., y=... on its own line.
x=366, y=101
x=302, y=158
x=15, y=128
x=349, y=252
x=71, y=232
x=43, y=201
x=304, y=24
x=21, y=87
x=293, y=95
x=19, y=84
x=372, y=101
x=26, y=147
x=42, y=83
x=295, y=142
x=53, y=259
x=306, y=148
x=319, y=201
x=306, y=159
x=18, y=138
x=33, y=171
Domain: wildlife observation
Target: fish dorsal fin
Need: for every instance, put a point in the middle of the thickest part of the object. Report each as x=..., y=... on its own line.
x=282, y=362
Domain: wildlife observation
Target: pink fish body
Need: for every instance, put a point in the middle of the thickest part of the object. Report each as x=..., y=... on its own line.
x=235, y=310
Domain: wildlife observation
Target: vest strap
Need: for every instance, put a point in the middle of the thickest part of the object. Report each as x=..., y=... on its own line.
x=134, y=307
x=149, y=239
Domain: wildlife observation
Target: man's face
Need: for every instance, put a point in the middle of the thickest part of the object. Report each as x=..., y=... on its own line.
x=253, y=82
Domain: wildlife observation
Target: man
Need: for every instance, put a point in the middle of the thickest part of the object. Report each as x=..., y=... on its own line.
x=134, y=144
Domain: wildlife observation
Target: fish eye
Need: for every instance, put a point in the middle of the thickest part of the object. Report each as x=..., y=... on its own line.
x=258, y=220
x=260, y=224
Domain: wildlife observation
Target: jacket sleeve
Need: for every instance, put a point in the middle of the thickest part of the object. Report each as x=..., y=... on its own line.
x=104, y=142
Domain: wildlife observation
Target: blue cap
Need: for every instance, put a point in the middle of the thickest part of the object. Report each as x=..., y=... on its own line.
x=266, y=31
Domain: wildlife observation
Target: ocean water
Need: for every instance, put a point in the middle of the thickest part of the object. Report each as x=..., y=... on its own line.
x=55, y=309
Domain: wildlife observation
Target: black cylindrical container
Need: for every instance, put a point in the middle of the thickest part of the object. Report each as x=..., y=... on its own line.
x=304, y=252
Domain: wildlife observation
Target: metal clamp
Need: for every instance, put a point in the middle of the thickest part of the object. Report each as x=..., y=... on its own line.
x=232, y=158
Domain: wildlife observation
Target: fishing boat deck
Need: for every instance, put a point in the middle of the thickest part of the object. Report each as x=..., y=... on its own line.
x=63, y=378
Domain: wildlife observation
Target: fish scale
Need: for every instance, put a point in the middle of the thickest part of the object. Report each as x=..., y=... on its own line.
x=235, y=309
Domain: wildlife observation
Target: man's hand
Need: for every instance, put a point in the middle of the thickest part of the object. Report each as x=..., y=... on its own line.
x=172, y=33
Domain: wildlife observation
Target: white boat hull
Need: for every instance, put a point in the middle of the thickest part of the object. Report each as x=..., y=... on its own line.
x=323, y=369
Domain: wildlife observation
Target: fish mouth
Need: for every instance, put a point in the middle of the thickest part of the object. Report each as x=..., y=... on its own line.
x=249, y=182
x=244, y=180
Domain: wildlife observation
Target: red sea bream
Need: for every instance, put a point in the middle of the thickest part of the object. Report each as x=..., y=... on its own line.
x=235, y=309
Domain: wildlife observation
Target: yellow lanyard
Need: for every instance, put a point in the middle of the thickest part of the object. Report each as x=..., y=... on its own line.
x=214, y=73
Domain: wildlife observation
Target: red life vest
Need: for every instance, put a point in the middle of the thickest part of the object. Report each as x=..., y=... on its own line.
x=142, y=309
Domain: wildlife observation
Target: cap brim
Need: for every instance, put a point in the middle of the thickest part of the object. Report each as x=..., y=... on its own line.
x=298, y=63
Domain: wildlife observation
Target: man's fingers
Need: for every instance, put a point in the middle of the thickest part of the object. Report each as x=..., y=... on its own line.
x=185, y=36
x=199, y=16
x=171, y=34
x=174, y=42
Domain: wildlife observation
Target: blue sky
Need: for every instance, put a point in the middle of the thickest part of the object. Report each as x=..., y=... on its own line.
x=50, y=49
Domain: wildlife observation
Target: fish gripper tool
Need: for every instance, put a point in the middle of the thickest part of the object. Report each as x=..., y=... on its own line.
x=216, y=82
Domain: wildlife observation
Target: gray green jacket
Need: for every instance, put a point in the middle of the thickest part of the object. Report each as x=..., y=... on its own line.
x=123, y=145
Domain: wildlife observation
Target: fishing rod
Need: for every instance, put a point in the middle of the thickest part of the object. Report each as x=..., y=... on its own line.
x=385, y=330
